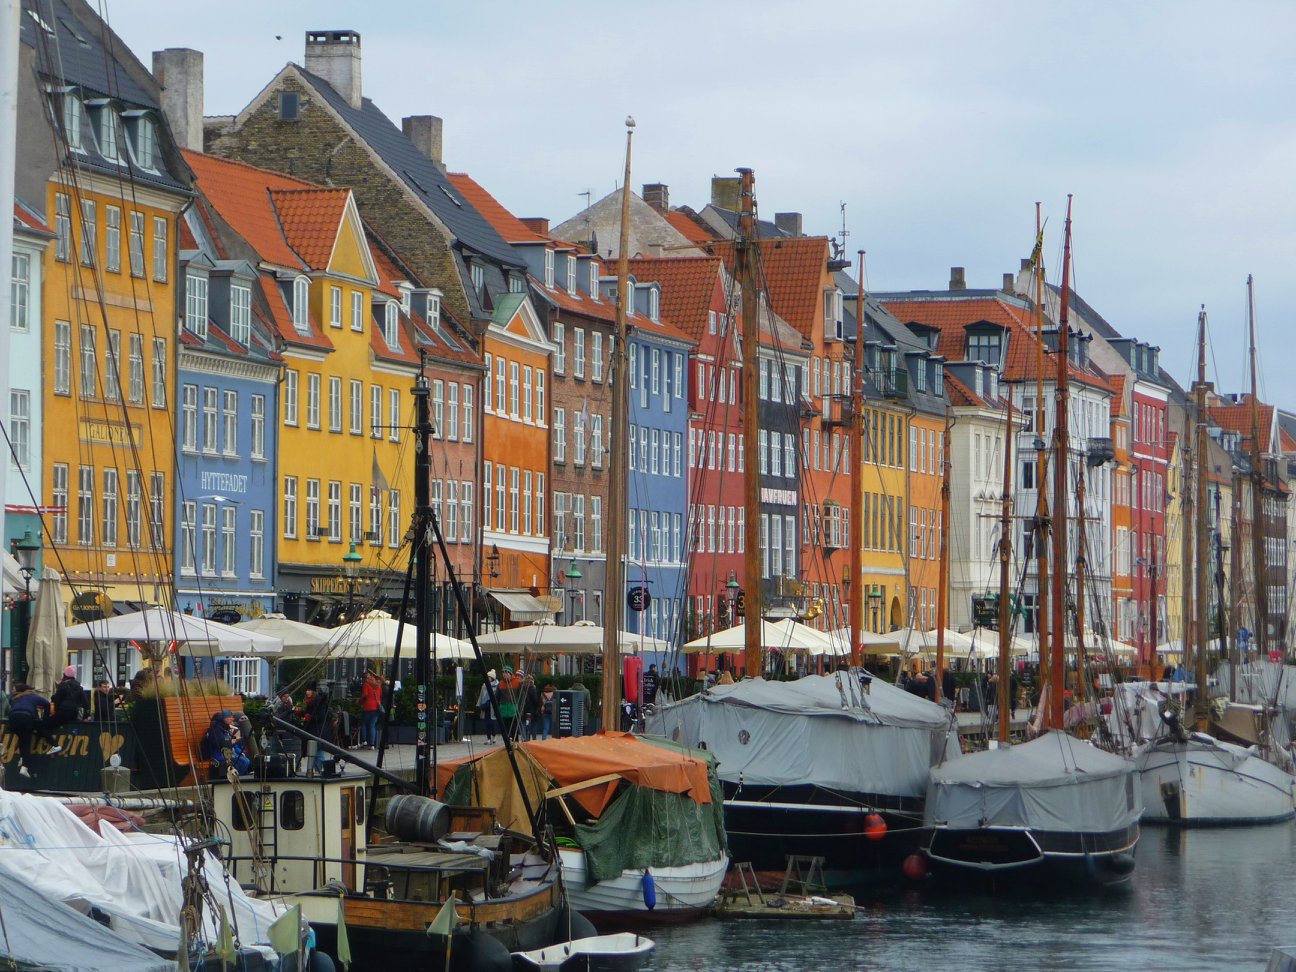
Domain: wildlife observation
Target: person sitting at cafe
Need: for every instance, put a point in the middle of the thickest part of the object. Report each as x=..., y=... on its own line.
x=103, y=701
x=223, y=744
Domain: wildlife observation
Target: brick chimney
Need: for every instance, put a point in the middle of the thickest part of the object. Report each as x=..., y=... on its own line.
x=958, y=279
x=657, y=195
x=789, y=223
x=179, y=71
x=725, y=192
x=425, y=132
x=536, y=224
x=334, y=55
x=1010, y=283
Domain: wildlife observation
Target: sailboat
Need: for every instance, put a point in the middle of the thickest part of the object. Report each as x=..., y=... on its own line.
x=1190, y=777
x=831, y=766
x=1055, y=809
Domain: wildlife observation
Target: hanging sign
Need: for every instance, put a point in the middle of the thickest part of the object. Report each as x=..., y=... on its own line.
x=638, y=599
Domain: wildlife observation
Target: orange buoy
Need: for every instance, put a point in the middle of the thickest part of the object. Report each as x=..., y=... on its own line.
x=875, y=827
x=915, y=867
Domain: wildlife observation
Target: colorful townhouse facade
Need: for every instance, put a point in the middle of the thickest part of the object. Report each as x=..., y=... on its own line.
x=97, y=158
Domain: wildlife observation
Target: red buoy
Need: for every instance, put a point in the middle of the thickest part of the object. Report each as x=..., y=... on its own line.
x=915, y=867
x=875, y=827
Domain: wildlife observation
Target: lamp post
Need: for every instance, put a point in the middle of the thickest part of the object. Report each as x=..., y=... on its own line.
x=24, y=551
x=573, y=574
x=730, y=597
x=351, y=567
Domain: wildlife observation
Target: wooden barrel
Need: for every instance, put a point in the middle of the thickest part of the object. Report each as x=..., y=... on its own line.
x=416, y=818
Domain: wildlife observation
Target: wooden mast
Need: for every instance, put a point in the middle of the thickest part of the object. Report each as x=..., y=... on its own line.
x=1005, y=565
x=615, y=594
x=1258, y=566
x=1186, y=639
x=746, y=251
x=1201, y=547
x=1235, y=583
x=1041, y=469
x=1080, y=565
x=942, y=581
x=1061, y=470
x=855, y=590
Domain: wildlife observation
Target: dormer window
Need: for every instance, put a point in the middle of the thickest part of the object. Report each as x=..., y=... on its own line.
x=434, y=308
x=594, y=280
x=196, y=304
x=571, y=275
x=404, y=290
x=834, y=318
x=73, y=116
x=992, y=383
x=143, y=140
x=549, y=268
x=516, y=284
x=108, y=134
x=938, y=386
x=301, y=305
x=391, y=315
x=920, y=374
x=241, y=313
x=985, y=343
x=478, y=277
x=654, y=303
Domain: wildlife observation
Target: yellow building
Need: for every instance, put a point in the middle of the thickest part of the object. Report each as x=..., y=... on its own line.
x=345, y=452
x=109, y=353
x=883, y=507
x=926, y=453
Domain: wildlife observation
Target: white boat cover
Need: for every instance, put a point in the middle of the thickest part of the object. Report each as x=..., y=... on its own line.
x=1261, y=682
x=821, y=730
x=134, y=879
x=1054, y=783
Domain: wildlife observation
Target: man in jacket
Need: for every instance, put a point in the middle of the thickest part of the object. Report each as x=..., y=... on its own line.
x=68, y=701
x=26, y=711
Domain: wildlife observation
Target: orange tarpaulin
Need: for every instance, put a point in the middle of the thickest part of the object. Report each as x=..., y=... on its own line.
x=574, y=760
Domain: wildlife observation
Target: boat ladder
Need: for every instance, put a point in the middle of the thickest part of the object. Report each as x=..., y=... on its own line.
x=748, y=883
x=806, y=872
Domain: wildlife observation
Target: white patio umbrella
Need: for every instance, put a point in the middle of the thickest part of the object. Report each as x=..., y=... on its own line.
x=195, y=636
x=785, y=635
x=11, y=579
x=581, y=638
x=373, y=635
x=46, y=638
x=300, y=640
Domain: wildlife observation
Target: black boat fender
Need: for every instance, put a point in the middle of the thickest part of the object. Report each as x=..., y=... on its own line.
x=473, y=950
x=581, y=927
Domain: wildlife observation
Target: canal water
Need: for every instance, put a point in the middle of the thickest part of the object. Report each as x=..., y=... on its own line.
x=1200, y=900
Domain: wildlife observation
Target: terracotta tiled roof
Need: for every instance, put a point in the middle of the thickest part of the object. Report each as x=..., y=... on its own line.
x=29, y=218
x=688, y=287
x=1288, y=444
x=950, y=316
x=241, y=195
x=961, y=394
x=436, y=345
x=688, y=227
x=505, y=223
x=1236, y=417
x=388, y=272
x=1118, y=383
x=281, y=318
x=311, y=219
x=794, y=269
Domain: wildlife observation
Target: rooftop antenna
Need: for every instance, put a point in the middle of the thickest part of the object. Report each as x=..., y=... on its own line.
x=840, y=244
x=589, y=195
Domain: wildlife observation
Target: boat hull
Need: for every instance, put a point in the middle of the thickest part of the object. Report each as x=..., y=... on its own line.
x=1203, y=784
x=386, y=934
x=607, y=953
x=1020, y=855
x=683, y=893
x=768, y=825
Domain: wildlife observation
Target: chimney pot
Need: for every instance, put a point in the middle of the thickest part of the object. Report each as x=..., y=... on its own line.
x=958, y=278
x=536, y=224
x=1010, y=283
x=425, y=132
x=179, y=71
x=334, y=55
x=725, y=192
x=789, y=223
x=657, y=195
x=1025, y=263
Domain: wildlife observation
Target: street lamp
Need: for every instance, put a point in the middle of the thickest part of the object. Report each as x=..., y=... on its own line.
x=351, y=567
x=573, y=574
x=731, y=596
x=24, y=551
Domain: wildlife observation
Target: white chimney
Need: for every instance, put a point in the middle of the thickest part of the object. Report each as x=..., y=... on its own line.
x=334, y=55
x=179, y=71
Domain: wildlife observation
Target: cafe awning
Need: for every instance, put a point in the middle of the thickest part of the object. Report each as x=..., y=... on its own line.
x=522, y=606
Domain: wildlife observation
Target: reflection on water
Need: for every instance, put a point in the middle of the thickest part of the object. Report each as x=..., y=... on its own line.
x=1200, y=900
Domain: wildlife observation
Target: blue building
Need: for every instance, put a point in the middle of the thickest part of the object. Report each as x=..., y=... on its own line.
x=226, y=492
x=657, y=481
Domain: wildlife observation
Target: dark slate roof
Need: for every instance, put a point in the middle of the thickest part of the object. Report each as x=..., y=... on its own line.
x=83, y=52
x=418, y=172
x=764, y=228
x=78, y=48
x=1091, y=317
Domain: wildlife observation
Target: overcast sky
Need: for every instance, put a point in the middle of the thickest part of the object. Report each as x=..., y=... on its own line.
x=938, y=124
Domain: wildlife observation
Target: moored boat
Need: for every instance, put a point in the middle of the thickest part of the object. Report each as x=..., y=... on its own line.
x=623, y=952
x=638, y=820
x=1052, y=809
